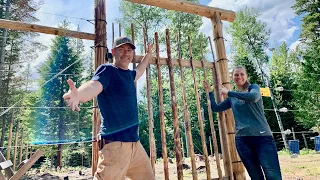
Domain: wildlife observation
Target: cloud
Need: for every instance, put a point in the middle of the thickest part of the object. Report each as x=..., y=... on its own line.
x=294, y=45
x=278, y=16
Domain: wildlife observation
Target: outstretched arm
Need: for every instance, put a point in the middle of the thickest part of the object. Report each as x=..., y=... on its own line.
x=84, y=93
x=252, y=96
x=144, y=63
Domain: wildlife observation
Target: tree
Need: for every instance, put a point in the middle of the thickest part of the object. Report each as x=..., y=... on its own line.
x=13, y=49
x=58, y=125
x=307, y=101
x=311, y=18
x=249, y=40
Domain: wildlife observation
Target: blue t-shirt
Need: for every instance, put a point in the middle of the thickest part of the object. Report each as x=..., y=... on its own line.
x=247, y=108
x=117, y=103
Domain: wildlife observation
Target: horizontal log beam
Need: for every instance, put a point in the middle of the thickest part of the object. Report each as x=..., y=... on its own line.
x=21, y=26
x=175, y=62
x=189, y=7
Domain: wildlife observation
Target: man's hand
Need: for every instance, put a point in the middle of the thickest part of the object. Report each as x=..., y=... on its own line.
x=72, y=96
x=149, y=48
x=144, y=63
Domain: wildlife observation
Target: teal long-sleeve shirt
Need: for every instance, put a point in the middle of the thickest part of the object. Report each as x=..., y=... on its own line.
x=248, y=111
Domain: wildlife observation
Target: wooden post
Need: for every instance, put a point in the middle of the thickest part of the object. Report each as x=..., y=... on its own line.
x=305, y=141
x=213, y=131
x=237, y=166
x=21, y=146
x=150, y=112
x=119, y=30
x=27, y=151
x=187, y=117
x=112, y=34
x=294, y=135
x=100, y=53
x=211, y=152
x=161, y=112
x=134, y=64
x=182, y=148
x=10, y=136
x=203, y=138
x=15, y=146
x=221, y=120
x=176, y=129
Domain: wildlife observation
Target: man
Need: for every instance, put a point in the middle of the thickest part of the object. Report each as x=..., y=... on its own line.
x=121, y=153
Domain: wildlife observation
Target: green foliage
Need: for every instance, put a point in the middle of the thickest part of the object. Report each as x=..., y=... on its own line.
x=311, y=18
x=307, y=101
x=306, y=97
x=17, y=53
x=249, y=40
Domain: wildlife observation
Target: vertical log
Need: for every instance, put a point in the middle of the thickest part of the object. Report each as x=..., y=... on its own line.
x=161, y=112
x=15, y=146
x=187, y=117
x=112, y=34
x=294, y=134
x=203, y=138
x=100, y=53
x=213, y=131
x=211, y=152
x=10, y=136
x=119, y=30
x=134, y=64
x=21, y=147
x=150, y=113
x=237, y=166
x=176, y=129
x=305, y=141
x=221, y=120
x=27, y=151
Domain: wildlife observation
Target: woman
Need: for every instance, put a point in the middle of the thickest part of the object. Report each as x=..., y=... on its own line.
x=254, y=141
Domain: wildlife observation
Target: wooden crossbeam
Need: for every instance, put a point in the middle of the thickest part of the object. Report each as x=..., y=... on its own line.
x=189, y=7
x=27, y=166
x=175, y=62
x=15, y=25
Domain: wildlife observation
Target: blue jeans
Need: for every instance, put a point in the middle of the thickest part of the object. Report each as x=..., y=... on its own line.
x=259, y=153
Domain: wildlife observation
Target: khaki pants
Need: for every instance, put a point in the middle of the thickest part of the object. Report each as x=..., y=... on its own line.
x=120, y=159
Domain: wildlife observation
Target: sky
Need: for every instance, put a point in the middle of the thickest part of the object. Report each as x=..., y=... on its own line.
x=278, y=15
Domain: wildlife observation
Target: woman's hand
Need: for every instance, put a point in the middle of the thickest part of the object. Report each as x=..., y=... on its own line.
x=206, y=86
x=224, y=91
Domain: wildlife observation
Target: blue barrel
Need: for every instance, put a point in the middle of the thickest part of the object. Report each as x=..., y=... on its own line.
x=294, y=146
x=317, y=143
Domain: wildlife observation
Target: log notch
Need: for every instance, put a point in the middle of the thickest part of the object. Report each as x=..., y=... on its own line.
x=100, y=53
x=161, y=112
x=176, y=129
x=237, y=166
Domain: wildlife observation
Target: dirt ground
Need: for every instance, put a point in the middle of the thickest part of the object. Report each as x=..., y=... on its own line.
x=302, y=167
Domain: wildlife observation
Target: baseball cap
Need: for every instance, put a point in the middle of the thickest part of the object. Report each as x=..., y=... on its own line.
x=123, y=40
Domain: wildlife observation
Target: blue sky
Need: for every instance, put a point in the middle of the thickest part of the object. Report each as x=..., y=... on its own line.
x=280, y=18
